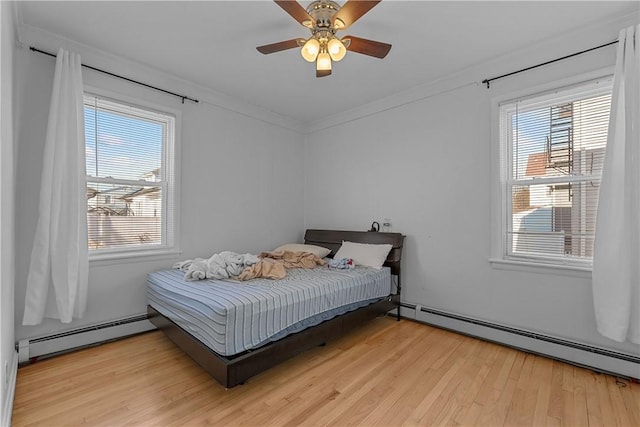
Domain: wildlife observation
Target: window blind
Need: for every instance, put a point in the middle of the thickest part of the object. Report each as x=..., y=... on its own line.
x=129, y=157
x=553, y=147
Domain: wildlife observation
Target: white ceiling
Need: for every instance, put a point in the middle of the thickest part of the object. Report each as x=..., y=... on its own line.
x=212, y=43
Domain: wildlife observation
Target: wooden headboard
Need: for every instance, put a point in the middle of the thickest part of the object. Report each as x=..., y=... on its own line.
x=332, y=239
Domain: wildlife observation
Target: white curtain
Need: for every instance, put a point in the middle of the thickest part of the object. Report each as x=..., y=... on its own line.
x=616, y=260
x=59, y=258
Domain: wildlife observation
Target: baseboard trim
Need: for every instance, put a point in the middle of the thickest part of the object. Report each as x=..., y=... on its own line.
x=7, y=403
x=587, y=356
x=41, y=347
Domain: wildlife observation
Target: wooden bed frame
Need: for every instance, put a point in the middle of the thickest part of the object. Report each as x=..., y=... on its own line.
x=233, y=370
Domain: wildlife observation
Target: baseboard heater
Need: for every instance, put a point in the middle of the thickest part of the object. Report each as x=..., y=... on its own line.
x=32, y=349
x=587, y=356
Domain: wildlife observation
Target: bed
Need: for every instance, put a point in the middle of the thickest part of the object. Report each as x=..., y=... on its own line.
x=233, y=330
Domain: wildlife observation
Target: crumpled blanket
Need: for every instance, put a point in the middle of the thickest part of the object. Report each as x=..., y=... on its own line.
x=266, y=268
x=294, y=259
x=223, y=265
x=272, y=264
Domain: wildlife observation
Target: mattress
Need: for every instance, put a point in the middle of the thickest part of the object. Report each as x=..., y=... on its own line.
x=231, y=317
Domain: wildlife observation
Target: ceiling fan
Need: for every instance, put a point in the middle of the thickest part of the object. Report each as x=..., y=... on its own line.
x=324, y=18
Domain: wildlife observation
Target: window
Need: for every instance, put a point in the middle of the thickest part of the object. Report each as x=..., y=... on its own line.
x=130, y=177
x=552, y=152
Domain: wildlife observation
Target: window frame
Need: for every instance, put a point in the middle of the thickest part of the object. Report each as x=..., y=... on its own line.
x=171, y=220
x=501, y=172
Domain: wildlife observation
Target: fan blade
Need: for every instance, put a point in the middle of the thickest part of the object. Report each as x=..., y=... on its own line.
x=323, y=73
x=296, y=11
x=351, y=12
x=277, y=47
x=367, y=47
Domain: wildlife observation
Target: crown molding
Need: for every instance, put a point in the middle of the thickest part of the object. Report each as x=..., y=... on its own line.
x=550, y=48
x=544, y=50
x=48, y=41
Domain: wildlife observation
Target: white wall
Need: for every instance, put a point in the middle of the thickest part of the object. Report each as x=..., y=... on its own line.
x=241, y=185
x=8, y=358
x=424, y=160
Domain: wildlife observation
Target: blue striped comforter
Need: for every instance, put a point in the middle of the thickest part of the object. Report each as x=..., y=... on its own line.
x=231, y=317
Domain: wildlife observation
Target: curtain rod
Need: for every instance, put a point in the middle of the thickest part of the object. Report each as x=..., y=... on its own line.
x=182, y=97
x=488, y=81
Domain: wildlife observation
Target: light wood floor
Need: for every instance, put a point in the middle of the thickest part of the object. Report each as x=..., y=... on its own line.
x=387, y=373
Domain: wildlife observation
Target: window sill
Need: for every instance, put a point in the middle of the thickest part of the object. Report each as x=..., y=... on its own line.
x=541, y=268
x=133, y=256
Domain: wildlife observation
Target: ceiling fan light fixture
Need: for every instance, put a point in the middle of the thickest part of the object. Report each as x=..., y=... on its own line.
x=310, y=50
x=324, y=18
x=336, y=49
x=324, y=62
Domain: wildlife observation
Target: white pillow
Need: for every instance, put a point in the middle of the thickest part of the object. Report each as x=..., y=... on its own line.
x=318, y=251
x=364, y=253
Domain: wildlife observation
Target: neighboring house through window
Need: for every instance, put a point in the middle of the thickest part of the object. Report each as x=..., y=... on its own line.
x=130, y=154
x=552, y=150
